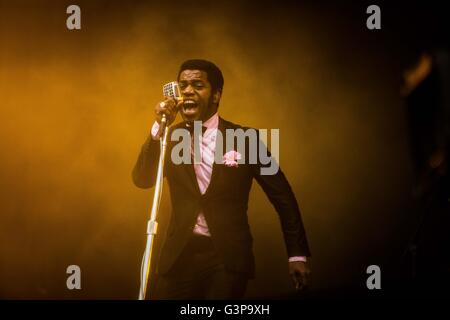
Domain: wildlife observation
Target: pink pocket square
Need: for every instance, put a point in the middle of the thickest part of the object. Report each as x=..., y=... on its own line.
x=230, y=158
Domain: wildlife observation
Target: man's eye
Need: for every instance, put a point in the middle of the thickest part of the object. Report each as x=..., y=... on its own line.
x=195, y=85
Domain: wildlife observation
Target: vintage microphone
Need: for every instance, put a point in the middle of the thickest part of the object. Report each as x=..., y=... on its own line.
x=172, y=90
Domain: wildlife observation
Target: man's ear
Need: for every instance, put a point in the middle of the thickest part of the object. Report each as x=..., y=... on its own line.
x=216, y=96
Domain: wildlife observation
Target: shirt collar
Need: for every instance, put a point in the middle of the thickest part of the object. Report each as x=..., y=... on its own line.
x=213, y=122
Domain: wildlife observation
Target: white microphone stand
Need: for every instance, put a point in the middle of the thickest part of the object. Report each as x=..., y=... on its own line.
x=152, y=225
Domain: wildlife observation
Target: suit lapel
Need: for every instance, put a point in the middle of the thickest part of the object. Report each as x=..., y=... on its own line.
x=192, y=176
x=188, y=171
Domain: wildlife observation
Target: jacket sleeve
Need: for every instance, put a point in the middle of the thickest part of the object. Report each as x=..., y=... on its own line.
x=146, y=167
x=280, y=194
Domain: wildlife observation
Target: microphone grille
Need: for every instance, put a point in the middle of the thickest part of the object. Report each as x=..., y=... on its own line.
x=172, y=90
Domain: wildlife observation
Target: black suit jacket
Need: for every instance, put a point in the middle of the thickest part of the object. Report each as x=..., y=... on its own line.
x=224, y=205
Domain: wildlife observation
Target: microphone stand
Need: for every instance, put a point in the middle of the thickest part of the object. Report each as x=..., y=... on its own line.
x=152, y=225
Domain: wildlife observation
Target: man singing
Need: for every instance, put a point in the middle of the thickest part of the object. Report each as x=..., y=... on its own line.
x=208, y=250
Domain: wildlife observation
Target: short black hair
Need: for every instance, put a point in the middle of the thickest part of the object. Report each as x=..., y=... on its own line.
x=215, y=76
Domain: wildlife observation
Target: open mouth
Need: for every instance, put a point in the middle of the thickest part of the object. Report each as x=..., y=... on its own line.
x=189, y=106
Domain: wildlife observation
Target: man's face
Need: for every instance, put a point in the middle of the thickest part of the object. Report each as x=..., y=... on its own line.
x=197, y=94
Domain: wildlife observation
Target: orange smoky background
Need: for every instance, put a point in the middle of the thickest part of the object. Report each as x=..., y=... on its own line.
x=75, y=107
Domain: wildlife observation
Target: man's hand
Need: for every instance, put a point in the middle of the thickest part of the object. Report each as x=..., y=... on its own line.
x=300, y=273
x=169, y=107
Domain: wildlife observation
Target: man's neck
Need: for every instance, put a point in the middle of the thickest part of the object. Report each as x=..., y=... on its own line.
x=212, y=122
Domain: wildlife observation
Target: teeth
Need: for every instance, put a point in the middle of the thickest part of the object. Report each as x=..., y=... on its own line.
x=189, y=103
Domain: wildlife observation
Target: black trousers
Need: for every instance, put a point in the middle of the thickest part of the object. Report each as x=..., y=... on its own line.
x=200, y=274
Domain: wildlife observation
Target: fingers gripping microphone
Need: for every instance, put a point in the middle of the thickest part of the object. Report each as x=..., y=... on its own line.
x=170, y=90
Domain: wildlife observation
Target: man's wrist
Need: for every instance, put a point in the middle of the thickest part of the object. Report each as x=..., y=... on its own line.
x=155, y=130
x=297, y=258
